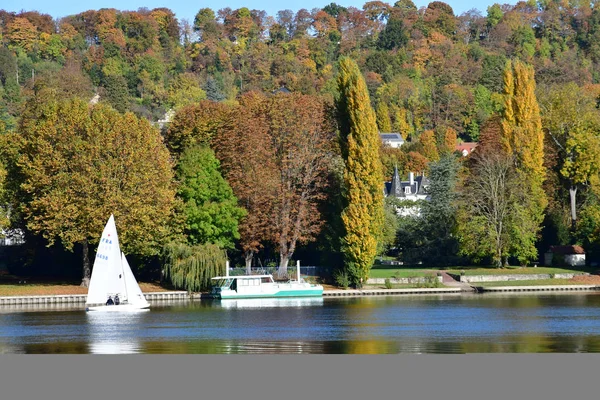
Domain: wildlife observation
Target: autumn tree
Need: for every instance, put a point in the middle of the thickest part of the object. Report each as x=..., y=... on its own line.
x=80, y=163
x=244, y=149
x=430, y=149
x=522, y=137
x=383, y=117
x=363, y=178
x=280, y=168
x=196, y=124
x=301, y=138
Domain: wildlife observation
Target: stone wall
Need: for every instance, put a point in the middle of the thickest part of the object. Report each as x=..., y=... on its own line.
x=381, y=281
x=511, y=277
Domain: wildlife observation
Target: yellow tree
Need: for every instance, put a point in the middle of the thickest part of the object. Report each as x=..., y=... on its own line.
x=79, y=164
x=523, y=138
x=363, y=177
x=383, y=117
x=430, y=150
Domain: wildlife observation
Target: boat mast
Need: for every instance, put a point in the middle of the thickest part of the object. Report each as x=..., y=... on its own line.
x=124, y=280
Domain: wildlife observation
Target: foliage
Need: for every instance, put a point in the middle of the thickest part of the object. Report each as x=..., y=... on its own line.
x=438, y=218
x=192, y=267
x=359, y=141
x=522, y=136
x=294, y=145
x=210, y=208
x=488, y=209
x=79, y=164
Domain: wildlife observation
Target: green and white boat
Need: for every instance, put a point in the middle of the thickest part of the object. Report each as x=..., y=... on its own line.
x=257, y=286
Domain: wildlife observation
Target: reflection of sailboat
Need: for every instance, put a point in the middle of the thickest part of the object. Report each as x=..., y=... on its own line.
x=114, y=333
x=272, y=302
x=112, y=277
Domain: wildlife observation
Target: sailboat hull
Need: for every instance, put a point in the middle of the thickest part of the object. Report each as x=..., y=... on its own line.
x=120, y=308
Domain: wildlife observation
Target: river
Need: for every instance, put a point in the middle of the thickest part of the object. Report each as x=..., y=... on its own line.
x=467, y=323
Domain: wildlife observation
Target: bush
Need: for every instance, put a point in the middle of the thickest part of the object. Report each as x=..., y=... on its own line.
x=388, y=283
x=342, y=279
x=431, y=281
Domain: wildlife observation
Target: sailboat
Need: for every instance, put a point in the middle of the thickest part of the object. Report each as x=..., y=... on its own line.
x=112, y=276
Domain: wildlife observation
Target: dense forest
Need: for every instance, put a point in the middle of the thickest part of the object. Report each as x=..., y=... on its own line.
x=225, y=136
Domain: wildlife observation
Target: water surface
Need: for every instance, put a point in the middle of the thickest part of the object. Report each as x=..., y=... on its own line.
x=479, y=323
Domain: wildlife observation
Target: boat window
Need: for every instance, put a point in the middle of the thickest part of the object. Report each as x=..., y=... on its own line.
x=265, y=279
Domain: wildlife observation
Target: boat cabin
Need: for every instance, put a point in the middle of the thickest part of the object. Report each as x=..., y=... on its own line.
x=241, y=283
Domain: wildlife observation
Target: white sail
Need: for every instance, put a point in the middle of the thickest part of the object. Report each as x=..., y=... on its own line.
x=107, y=274
x=134, y=293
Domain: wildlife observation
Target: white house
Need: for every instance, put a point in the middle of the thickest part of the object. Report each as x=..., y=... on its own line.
x=413, y=189
x=392, y=139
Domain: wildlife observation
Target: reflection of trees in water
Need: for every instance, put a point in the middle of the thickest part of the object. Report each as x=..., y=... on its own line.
x=234, y=347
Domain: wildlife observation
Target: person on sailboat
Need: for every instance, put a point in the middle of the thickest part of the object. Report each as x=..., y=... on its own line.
x=110, y=301
x=117, y=301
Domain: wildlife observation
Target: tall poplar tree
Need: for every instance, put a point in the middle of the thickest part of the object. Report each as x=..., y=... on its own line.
x=363, y=176
x=522, y=137
x=383, y=117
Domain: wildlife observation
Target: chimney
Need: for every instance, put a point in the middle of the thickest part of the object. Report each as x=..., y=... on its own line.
x=411, y=178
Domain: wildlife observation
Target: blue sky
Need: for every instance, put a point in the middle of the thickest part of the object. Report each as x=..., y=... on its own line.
x=187, y=9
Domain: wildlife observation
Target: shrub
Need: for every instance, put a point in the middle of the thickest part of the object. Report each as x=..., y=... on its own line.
x=342, y=279
x=388, y=283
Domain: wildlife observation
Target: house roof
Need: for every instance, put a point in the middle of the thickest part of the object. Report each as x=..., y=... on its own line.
x=575, y=249
x=469, y=146
x=397, y=187
x=391, y=137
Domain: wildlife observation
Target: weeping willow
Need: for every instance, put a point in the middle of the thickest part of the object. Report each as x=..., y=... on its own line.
x=192, y=267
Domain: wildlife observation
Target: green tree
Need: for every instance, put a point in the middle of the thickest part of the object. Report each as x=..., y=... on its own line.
x=117, y=93
x=438, y=214
x=363, y=176
x=185, y=89
x=192, y=267
x=572, y=120
x=210, y=208
x=488, y=208
x=522, y=136
x=212, y=89
x=79, y=164
x=393, y=36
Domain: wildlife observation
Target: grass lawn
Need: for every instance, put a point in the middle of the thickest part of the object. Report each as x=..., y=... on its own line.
x=541, y=282
x=56, y=288
x=399, y=272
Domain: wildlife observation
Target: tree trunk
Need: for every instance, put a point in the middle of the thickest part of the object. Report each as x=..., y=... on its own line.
x=572, y=195
x=283, y=264
x=87, y=272
x=248, y=258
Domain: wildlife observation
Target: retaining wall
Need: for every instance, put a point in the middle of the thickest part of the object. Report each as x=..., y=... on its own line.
x=511, y=277
x=80, y=298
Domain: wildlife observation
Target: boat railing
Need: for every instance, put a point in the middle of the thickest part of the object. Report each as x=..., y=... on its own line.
x=291, y=273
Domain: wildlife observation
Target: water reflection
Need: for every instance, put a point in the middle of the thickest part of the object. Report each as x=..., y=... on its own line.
x=114, y=332
x=270, y=303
